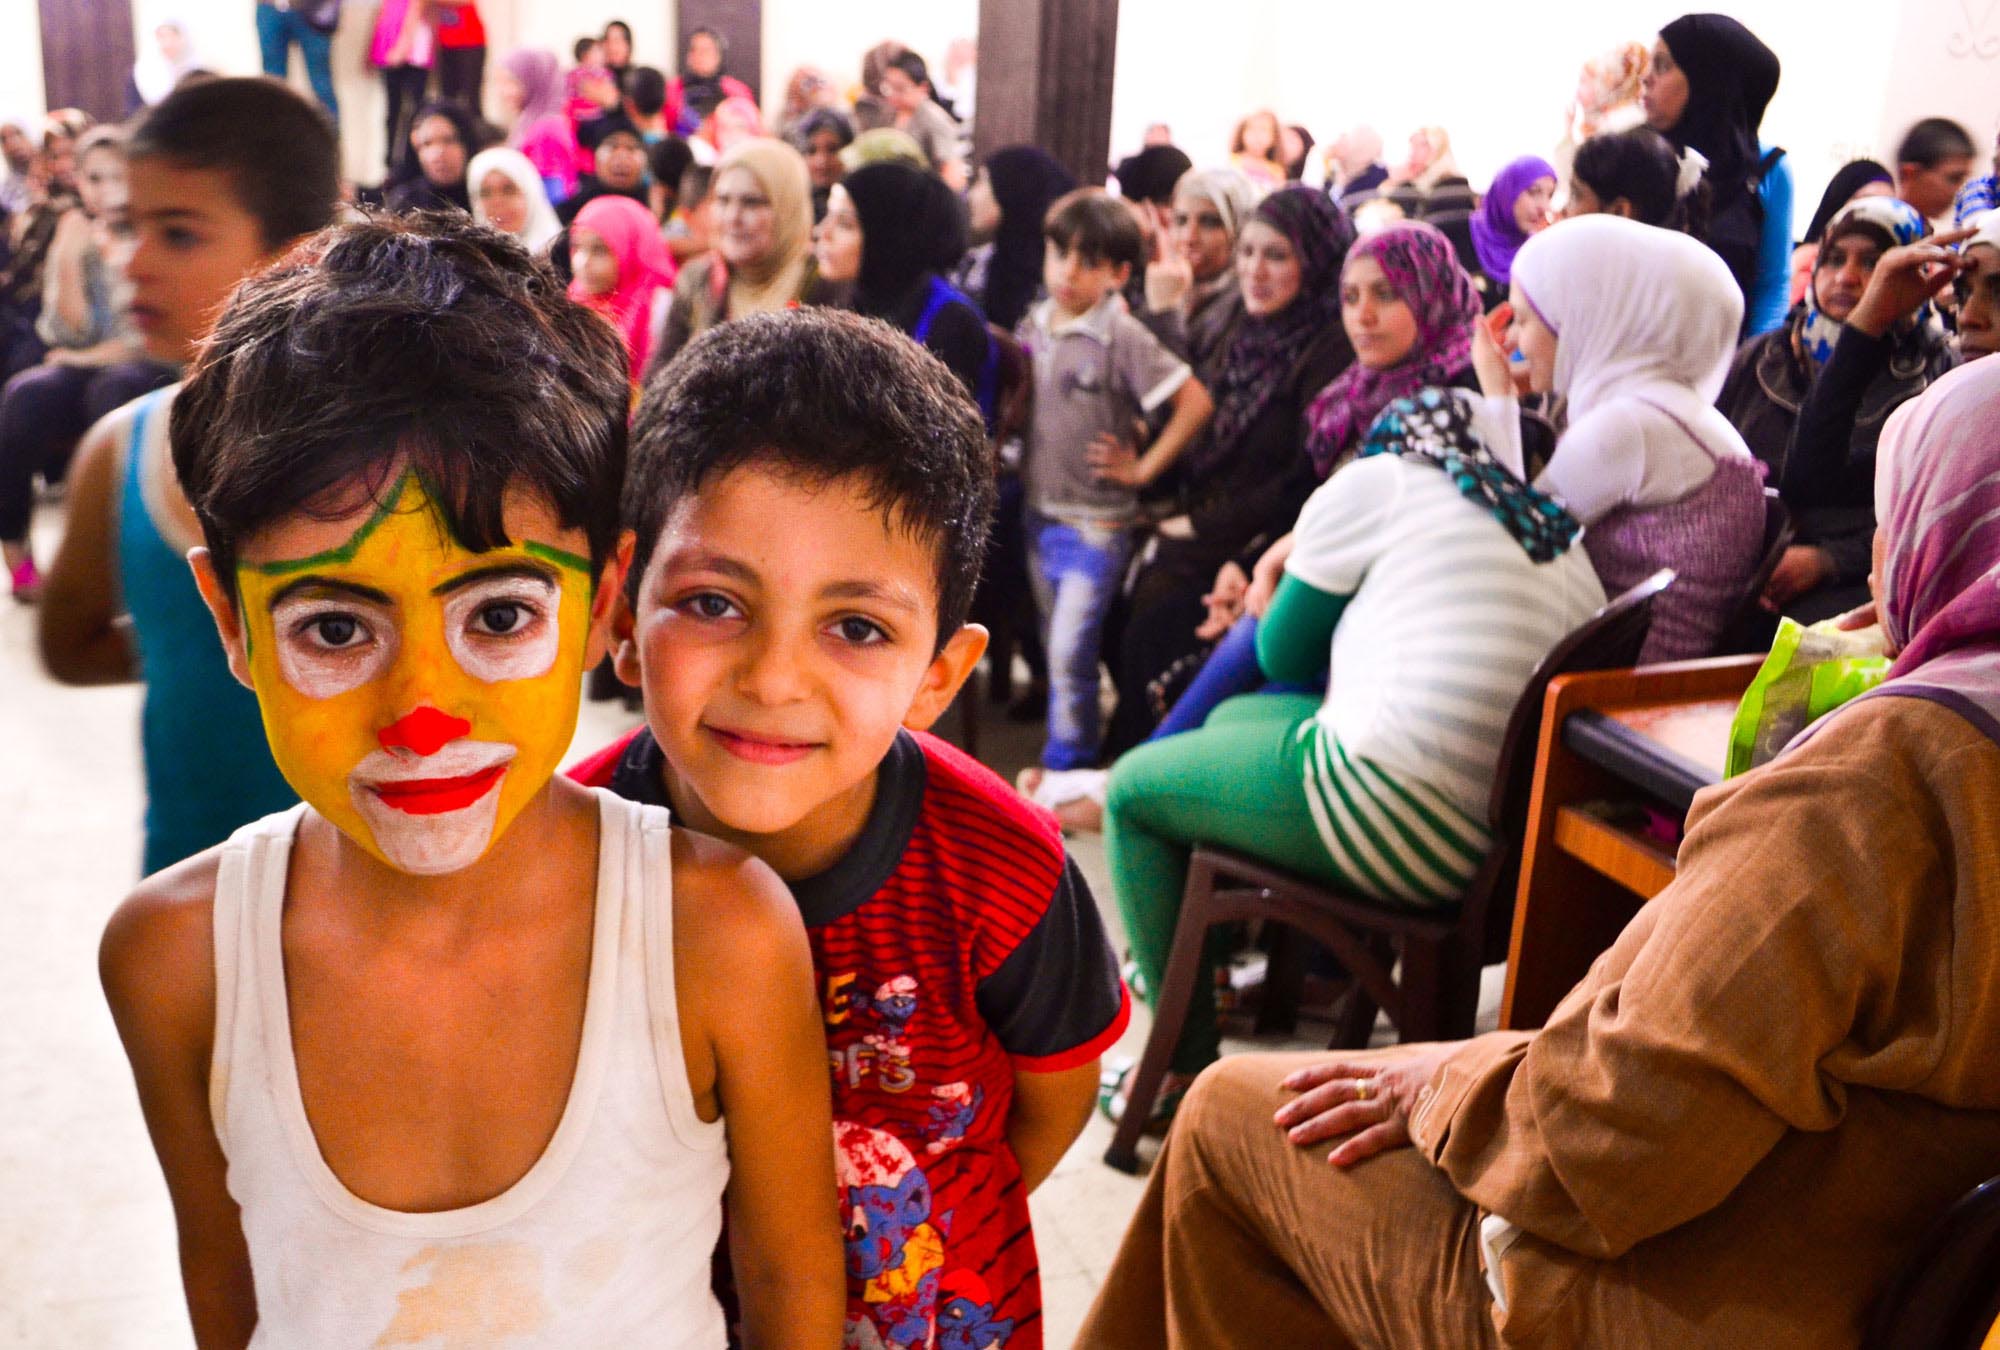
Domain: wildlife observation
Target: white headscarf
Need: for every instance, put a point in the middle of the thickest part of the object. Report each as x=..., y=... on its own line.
x=152, y=74
x=542, y=226
x=1639, y=312
x=1987, y=223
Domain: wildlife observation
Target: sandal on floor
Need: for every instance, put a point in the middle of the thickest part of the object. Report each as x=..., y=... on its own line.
x=1111, y=1097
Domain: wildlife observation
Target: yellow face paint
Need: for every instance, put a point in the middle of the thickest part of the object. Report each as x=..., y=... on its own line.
x=416, y=693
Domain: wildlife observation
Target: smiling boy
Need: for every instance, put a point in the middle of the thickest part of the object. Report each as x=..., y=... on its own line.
x=443, y=1053
x=810, y=493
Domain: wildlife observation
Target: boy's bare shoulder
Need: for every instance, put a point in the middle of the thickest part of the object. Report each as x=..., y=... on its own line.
x=734, y=919
x=157, y=957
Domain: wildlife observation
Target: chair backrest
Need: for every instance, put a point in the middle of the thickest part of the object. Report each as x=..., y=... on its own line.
x=1607, y=640
x=1749, y=629
x=1948, y=1295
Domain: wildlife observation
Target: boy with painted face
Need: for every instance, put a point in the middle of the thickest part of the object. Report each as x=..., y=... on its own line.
x=810, y=493
x=453, y=1025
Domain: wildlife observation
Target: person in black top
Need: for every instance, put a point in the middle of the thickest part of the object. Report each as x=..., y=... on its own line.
x=443, y=139
x=893, y=230
x=619, y=153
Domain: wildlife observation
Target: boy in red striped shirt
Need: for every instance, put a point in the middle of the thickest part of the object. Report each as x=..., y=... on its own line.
x=810, y=493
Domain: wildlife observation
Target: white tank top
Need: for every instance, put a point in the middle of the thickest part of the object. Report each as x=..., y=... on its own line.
x=605, y=1242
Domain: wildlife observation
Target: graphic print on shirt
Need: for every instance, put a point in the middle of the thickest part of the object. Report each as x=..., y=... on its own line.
x=951, y=1115
x=893, y=1250
x=883, y=1053
x=966, y=1319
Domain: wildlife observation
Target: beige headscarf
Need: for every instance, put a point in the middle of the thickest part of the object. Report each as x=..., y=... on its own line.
x=782, y=277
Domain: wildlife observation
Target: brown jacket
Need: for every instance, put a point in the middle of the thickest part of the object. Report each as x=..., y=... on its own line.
x=1735, y=1129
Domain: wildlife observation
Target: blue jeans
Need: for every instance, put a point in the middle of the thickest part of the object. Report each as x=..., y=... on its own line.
x=1231, y=669
x=277, y=30
x=1076, y=571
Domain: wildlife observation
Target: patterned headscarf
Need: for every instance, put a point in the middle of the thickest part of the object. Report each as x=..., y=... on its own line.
x=1890, y=223
x=1422, y=266
x=1608, y=82
x=1937, y=501
x=1435, y=426
x=1496, y=235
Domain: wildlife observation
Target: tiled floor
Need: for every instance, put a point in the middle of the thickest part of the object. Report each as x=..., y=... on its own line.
x=87, y=1245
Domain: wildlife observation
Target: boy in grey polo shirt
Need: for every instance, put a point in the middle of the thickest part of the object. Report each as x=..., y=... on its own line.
x=1097, y=370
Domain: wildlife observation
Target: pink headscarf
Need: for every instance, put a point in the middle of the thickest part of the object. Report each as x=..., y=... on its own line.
x=1937, y=506
x=644, y=269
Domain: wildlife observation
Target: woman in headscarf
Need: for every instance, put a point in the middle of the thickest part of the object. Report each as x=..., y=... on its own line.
x=1013, y=191
x=892, y=231
x=1210, y=208
x=1427, y=581
x=820, y=135
x=1429, y=181
x=162, y=66
x=23, y=278
x=761, y=205
x=530, y=88
x=443, y=138
x=1855, y=179
x=620, y=268
x=1794, y=1040
x=1634, y=327
x=1243, y=482
x=1706, y=90
x=702, y=84
x=1516, y=206
x=1606, y=100
x=1776, y=378
x=507, y=194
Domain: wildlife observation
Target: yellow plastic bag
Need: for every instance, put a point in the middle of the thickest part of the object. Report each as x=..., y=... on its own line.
x=1809, y=673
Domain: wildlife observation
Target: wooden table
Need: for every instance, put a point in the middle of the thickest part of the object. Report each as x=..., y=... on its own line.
x=1655, y=735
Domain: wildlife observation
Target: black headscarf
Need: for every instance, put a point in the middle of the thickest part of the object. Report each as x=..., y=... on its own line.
x=1266, y=347
x=911, y=228
x=1026, y=181
x=1150, y=175
x=1731, y=77
x=702, y=92
x=1854, y=175
x=409, y=190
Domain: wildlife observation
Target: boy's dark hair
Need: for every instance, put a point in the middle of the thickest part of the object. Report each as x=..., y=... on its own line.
x=820, y=396
x=647, y=90
x=1643, y=167
x=420, y=339
x=582, y=48
x=278, y=150
x=1097, y=225
x=1933, y=140
x=667, y=159
x=1150, y=175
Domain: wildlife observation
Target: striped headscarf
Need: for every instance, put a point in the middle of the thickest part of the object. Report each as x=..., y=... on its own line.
x=1422, y=266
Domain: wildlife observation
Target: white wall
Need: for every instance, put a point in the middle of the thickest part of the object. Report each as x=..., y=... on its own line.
x=21, y=93
x=833, y=34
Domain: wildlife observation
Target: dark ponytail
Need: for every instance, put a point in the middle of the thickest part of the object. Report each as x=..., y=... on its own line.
x=1643, y=167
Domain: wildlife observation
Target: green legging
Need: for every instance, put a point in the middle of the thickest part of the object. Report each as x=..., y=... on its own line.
x=1238, y=782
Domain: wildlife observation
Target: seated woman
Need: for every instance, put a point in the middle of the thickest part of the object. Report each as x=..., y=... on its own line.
x=1853, y=181
x=1634, y=327
x=1010, y=194
x=1979, y=289
x=509, y=195
x=761, y=208
x=620, y=268
x=1516, y=206
x=1429, y=582
x=1639, y=175
x=1244, y=481
x=890, y=231
x=1738, y=1126
x=1817, y=378
x=443, y=137
x=820, y=135
x=1195, y=281
x=95, y=361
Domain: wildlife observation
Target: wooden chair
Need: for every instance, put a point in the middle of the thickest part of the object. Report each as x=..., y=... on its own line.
x=1749, y=628
x=1948, y=1296
x=1442, y=951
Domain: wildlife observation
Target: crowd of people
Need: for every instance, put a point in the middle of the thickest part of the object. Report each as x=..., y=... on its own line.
x=1280, y=476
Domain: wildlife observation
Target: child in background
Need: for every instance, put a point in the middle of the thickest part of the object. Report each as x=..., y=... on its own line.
x=811, y=492
x=1097, y=371
x=223, y=177
x=690, y=229
x=412, y=549
x=621, y=269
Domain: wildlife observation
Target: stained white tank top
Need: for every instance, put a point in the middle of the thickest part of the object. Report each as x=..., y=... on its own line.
x=605, y=1242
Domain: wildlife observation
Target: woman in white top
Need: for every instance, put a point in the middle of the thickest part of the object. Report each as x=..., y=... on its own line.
x=508, y=195
x=1635, y=326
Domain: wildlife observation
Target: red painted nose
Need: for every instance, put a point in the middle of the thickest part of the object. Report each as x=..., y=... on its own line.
x=425, y=730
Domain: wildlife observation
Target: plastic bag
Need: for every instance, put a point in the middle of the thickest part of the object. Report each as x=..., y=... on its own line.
x=1809, y=673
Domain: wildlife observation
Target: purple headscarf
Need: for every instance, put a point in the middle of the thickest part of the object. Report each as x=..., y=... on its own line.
x=540, y=75
x=1937, y=503
x=1266, y=347
x=1422, y=266
x=1496, y=236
